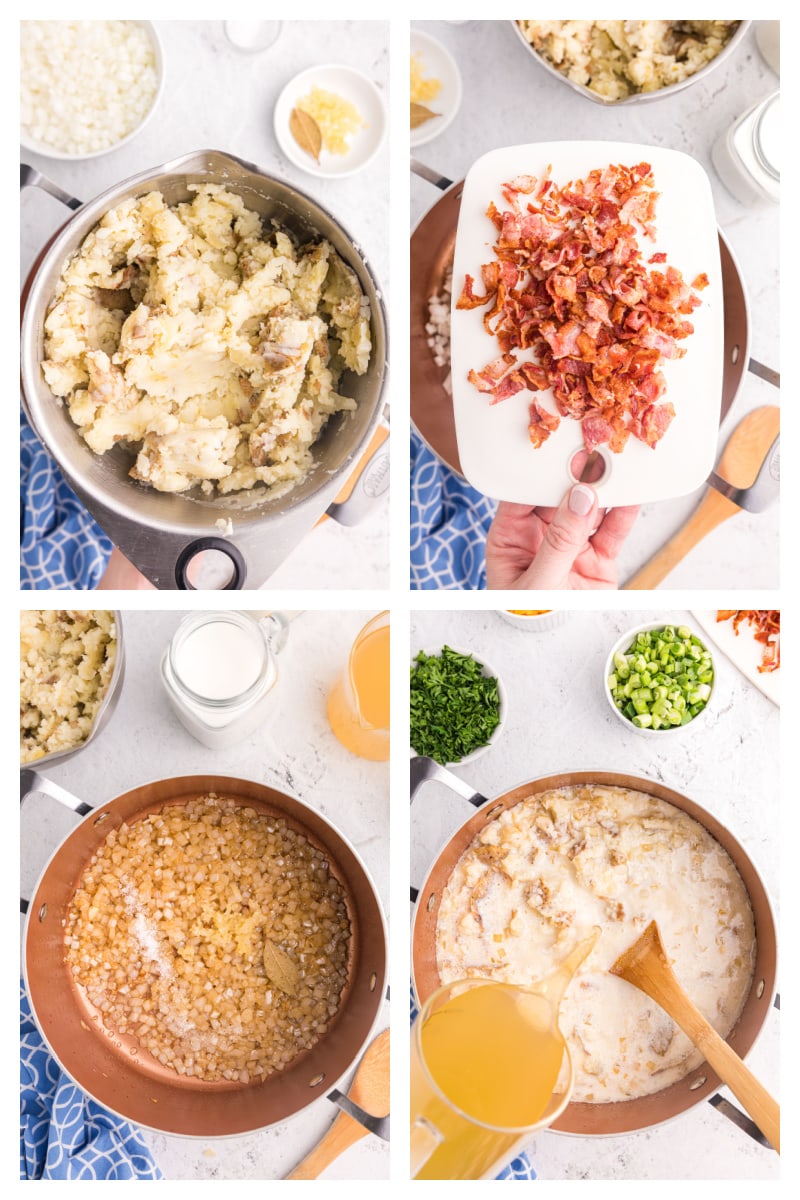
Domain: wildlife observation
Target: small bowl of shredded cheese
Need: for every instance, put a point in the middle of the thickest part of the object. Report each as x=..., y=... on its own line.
x=330, y=120
x=87, y=87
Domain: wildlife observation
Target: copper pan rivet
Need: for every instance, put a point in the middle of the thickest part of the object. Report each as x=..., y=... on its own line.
x=373, y=981
x=431, y=902
x=103, y=817
x=760, y=988
x=735, y=354
x=316, y=1081
x=494, y=812
x=697, y=1083
x=43, y=912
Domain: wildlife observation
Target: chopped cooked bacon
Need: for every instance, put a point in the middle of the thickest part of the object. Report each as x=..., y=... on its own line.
x=569, y=284
x=542, y=424
x=767, y=624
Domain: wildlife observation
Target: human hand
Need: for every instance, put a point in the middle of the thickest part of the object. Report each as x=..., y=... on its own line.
x=555, y=547
x=120, y=573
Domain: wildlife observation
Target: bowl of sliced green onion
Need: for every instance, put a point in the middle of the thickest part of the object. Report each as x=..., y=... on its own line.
x=458, y=705
x=659, y=678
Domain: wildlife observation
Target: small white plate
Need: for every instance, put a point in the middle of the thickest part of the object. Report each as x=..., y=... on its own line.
x=436, y=63
x=350, y=85
x=743, y=651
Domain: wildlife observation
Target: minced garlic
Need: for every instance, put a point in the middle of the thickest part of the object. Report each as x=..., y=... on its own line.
x=337, y=119
x=423, y=88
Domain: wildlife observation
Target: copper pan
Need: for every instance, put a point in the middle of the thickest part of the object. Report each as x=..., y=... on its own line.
x=112, y=1068
x=432, y=245
x=629, y=1115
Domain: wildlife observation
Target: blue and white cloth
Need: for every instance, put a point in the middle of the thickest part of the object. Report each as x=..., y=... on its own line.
x=64, y=1134
x=518, y=1168
x=449, y=524
x=61, y=545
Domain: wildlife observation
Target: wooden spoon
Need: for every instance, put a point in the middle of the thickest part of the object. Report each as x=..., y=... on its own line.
x=645, y=965
x=741, y=459
x=370, y=1091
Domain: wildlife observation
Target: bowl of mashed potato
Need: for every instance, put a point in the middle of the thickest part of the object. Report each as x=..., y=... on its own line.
x=625, y=62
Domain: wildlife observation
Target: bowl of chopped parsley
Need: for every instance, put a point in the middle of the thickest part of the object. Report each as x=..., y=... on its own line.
x=458, y=706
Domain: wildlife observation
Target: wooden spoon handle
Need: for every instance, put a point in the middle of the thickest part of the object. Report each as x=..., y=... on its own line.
x=653, y=975
x=343, y=1133
x=748, y=1090
x=712, y=511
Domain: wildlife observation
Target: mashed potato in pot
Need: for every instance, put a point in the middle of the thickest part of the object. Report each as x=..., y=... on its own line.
x=617, y=59
x=211, y=345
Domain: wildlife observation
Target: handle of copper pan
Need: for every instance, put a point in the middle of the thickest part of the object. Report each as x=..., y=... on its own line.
x=31, y=781
x=426, y=770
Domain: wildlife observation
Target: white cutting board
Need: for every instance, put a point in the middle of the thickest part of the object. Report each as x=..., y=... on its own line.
x=743, y=651
x=496, y=454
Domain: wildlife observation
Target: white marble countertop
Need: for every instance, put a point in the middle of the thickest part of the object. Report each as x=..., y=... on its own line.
x=297, y=753
x=507, y=99
x=216, y=97
x=557, y=721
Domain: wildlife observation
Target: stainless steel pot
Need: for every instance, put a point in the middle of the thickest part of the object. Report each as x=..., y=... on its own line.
x=162, y=534
x=112, y=1068
x=104, y=712
x=639, y=97
x=628, y=1115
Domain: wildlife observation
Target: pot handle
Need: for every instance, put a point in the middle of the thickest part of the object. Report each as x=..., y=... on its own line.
x=371, y=483
x=424, y=769
x=236, y=563
x=440, y=181
x=30, y=177
x=31, y=781
x=377, y=1125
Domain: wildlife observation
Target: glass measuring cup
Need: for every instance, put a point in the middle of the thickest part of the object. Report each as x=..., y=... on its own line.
x=358, y=704
x=489, y=1066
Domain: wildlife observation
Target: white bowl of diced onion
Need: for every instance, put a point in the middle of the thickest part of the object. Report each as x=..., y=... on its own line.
x=641, y=689
x=87, y=87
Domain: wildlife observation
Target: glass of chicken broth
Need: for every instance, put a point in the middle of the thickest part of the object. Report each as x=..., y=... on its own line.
x=488, y=1068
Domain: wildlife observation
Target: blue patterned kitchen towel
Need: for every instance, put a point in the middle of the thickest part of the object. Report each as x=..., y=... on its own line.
x=449, y=524
x=61, y=545
x=518, y=1168
x=64, y=1134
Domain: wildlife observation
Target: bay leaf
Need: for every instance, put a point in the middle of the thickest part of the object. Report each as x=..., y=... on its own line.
x=306, y=132
x=420, y=113
x=280, y=969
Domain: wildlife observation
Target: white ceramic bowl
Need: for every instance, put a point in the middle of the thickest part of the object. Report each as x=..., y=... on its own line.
x=488, y=671
x=437, y=63
x=621, y=646
x=542, y=623
x=351, y=85
x=29, y=143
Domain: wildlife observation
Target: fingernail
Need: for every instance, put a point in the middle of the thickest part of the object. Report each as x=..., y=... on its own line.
x=581, y=500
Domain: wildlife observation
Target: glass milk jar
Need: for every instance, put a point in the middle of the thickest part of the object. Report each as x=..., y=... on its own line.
x=219, y=671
